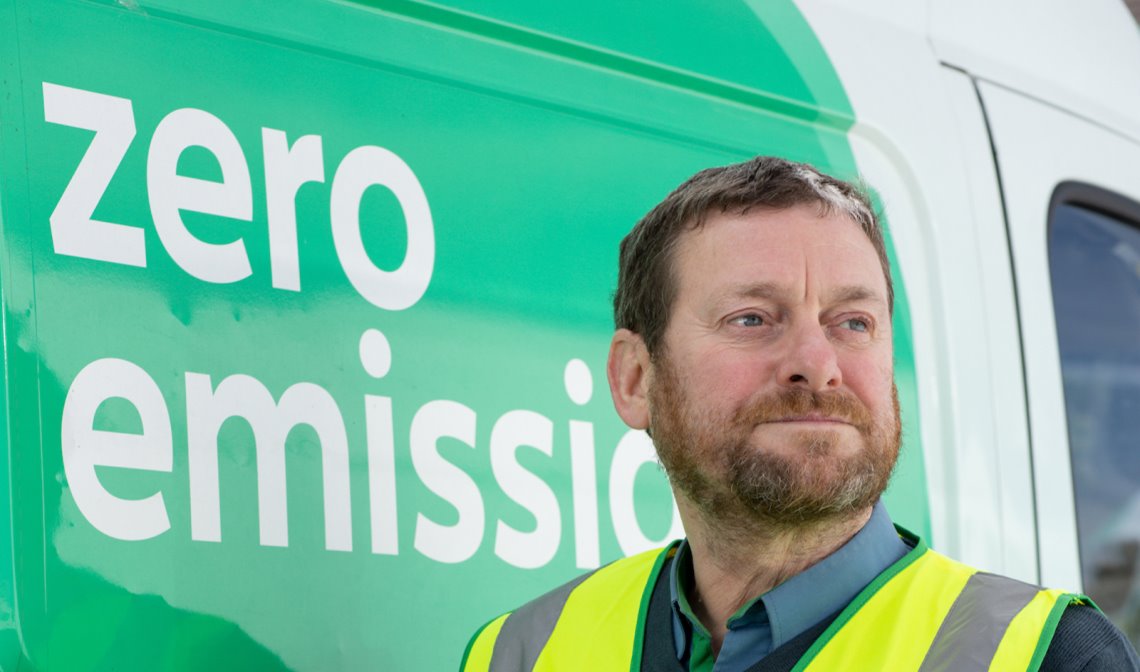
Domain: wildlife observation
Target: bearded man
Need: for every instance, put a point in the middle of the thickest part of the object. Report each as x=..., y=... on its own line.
x=754, y=344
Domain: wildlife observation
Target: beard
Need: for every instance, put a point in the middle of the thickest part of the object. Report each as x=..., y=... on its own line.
x=735, y=483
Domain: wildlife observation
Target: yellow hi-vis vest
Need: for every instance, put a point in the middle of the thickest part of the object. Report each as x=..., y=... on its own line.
x=925, y=612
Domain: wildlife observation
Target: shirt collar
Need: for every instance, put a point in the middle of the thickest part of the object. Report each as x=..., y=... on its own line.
x=806, y=598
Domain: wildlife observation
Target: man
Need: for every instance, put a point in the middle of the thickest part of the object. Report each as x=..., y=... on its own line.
x=754, y=345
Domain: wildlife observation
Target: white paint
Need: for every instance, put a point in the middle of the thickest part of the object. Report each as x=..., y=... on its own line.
x=375, y=353
x=362, y=168
x=1000, y=457
x=73, y=230
x=171, y=193
x=209, y=407
x=242, y=396
x=382, y=475
x=286, y=169
x=578, y=381
x=1079, y=56
x=584, y=485
x=446, y=543
x=1039, y=147
x=85, y=448
x=512, y=431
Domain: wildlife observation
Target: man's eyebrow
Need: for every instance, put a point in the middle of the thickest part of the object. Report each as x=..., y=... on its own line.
x=776, y=291
x=758, y=290
x=856, y=293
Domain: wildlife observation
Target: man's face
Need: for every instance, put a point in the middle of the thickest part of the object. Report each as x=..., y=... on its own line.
x=773, y=396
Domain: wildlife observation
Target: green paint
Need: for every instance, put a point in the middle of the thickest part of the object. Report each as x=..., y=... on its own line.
x=538, y=139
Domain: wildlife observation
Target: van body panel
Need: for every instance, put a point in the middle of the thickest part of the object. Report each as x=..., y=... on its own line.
x=1039, y=148
x=1078, y=57
x=304, y=307
x=308, y=323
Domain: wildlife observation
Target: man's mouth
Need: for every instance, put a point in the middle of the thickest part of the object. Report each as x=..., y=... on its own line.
x=815, y=418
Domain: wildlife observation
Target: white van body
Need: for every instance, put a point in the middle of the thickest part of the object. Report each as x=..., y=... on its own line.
x=305, y=311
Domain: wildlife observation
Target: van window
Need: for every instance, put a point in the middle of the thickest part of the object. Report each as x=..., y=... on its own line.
x=1094, y=259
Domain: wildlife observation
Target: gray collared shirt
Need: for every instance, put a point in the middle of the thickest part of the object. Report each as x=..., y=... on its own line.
x=790, y=608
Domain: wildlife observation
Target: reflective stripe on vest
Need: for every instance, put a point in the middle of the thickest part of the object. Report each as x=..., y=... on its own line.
x=934, y=614
x=591, y=623
x=926, y=613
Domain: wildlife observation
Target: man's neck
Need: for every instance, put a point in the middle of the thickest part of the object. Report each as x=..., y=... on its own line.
x=732, y=569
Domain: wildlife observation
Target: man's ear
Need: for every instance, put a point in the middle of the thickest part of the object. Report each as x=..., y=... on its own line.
x=629, y=372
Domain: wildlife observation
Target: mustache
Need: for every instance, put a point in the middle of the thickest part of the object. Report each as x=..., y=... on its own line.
x=795, y=402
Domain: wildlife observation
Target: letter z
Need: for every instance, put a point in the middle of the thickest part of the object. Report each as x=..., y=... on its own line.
x=73, y=231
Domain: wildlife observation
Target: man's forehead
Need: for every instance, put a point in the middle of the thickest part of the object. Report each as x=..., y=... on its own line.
x=787, y=293
x=773, y=223
x=757, y=251
x=778, y=291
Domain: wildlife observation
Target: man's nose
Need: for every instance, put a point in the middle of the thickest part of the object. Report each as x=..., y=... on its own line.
x=810, y=360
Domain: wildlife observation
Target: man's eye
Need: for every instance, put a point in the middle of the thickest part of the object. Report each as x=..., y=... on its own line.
x=749, y=321
x=856, y=324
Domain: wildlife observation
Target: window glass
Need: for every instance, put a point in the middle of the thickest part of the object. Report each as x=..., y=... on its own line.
x=1095, y=267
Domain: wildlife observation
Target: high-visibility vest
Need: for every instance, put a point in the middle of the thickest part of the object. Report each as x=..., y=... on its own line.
x=925, y=612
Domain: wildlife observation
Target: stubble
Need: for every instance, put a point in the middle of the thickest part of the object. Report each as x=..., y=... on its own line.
x=736, y=485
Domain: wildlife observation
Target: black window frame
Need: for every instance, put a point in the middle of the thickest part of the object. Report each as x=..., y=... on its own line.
x=1106, y=203
x=1091, y=197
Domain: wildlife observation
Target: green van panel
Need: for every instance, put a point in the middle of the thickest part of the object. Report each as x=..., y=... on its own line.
x=295, y=446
